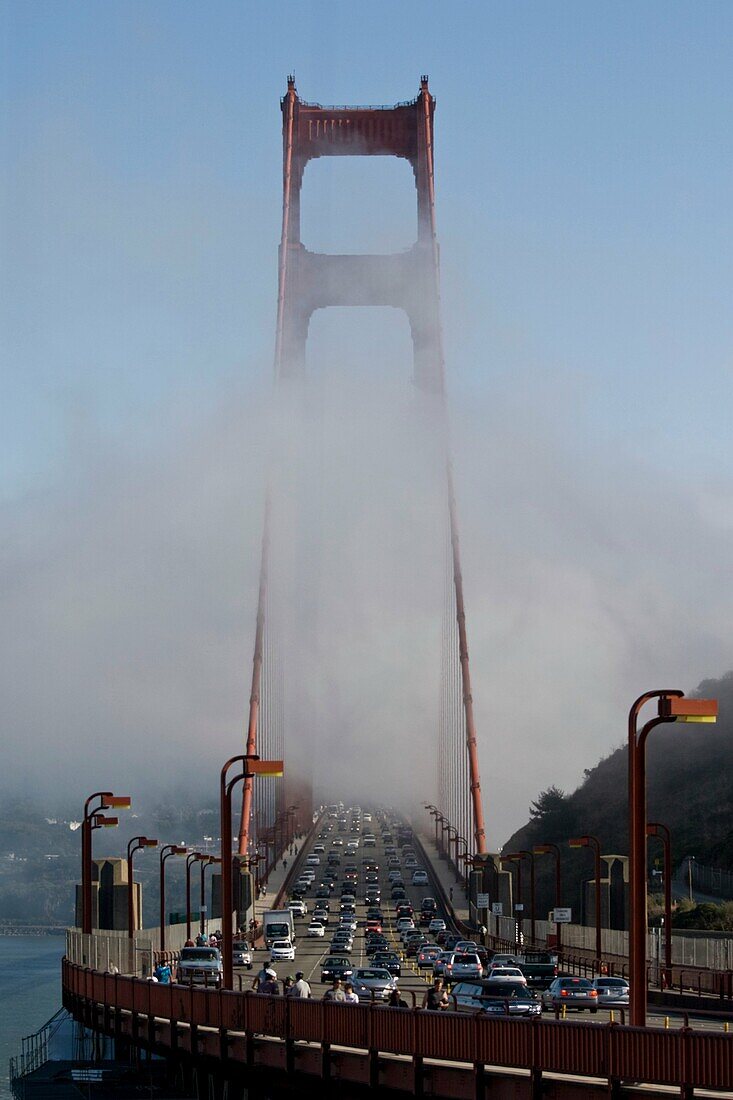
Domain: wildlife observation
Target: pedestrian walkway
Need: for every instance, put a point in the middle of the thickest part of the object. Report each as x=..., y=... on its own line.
x=276, y=879
x=453, y=885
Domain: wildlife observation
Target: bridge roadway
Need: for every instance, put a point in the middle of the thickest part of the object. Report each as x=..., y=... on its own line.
x=310, y=952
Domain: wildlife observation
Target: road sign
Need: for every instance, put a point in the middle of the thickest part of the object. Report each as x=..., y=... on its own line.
x=498, y=909
x=482, y=901
x=562, y=916
x=519, y=908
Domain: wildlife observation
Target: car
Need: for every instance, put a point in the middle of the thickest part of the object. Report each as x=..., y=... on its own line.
x=465, y=945
x=437, y=924
x=395, y=876
x=506, y=974
x=342, y=943
x=440, y=964
x=297, y=905
x=371, y=877
x=318, y=849
x=405, y=924
x=389, y=960
x=313, y=860
x=200, y=966
x=571, y=992
x=398, y=893
x=373, y=983
x=496, y=998
x=316, y=929
x=463, y=964
x=503, y=960
x=427, y=955
x=375, y=944
x=337, y=842
x=429, y=903
x=373, y=925
x=348, y=899
x=321, y=915
x=393, y=863
x=309, y=874
x=411, y=863
x=450, y=941
x=282, y=949
x=374, y=913
x=323, y=892
x=372, y=897
x=612, y=992
x=413, y=945
x=336, y=966
x=242, y=954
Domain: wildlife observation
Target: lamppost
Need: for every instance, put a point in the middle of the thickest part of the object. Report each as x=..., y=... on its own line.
x=444, y=825
x=656, y=828
x=133, y=846
x=458, y=839
x=434, y=813
x=208, y=862
x=554, y=850
x=251, y=767
x=672, y=706
x=517, y=857
x=94, y=819
x=166, y=852
x=191, y=858
x=594, y=843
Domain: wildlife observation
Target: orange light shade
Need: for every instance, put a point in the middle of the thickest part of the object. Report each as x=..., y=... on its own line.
x=149, y=842
x=264, y=767
x=578, y=842
x=688, y=710
x=118, y=802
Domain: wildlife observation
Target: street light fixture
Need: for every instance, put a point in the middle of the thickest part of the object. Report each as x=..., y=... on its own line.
x=94, y=819
x=251, y=767
x=209, y=861
x=434, y=813
x=133, y=846
x=517, y=857
x=191, y=858
x=656, y=828
x=594, y=843
x=554, y=850
x=672, y=706
x=166, y=852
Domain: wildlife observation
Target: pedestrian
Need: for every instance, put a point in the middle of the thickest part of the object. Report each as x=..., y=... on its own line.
x=301, y=988
x=270, y=986
x=163, y=973
x=260, y=977
x=350, y=997
x=285, y=865
x=436, y=997
x=335, y=993
x=201, y=940
x=288, y=984
x=450, y=893
x=395, y=1001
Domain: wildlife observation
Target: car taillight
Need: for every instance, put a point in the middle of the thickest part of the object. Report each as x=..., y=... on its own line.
x=563, y=992
x=594, y=993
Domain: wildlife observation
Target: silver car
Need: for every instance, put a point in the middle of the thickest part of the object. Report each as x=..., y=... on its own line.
x=371, y=979
x=570, y=992
x=241, y=954
x=612, y=992
x=463, y=965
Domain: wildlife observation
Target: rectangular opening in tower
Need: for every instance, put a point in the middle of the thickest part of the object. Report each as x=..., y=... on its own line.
x=353, y=205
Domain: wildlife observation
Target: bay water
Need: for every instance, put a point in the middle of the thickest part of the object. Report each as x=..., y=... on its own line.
x=30, y=991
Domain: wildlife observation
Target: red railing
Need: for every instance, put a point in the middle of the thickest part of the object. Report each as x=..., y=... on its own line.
x=606, y=1051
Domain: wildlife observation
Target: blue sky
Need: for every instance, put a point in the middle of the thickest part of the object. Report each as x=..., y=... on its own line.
x=584, y=167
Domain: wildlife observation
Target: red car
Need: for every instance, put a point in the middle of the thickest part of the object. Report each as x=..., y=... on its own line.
x=373, y=925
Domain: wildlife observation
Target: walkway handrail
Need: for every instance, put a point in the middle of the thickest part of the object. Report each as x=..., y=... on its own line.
x=654, y=1056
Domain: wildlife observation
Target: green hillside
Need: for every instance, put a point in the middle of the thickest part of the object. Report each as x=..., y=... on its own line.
x=690, y=789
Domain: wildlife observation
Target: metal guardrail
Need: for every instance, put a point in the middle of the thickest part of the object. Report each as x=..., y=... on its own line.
x=358, y=106
x=612, y=1052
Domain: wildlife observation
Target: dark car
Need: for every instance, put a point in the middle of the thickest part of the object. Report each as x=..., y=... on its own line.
x=336, y=966
x=398, y=893
x=376, y=943
x=404, y=909
x=414, y=944
x=389, y=960
x=496, y=998
x=372, y=896
x=429, y=904
x=323, y=892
